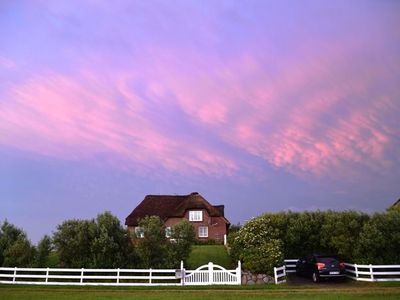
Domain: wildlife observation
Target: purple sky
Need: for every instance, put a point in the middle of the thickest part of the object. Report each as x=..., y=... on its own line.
x=259, y=105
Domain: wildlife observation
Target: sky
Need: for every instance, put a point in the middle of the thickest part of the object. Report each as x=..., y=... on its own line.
x=262, y=106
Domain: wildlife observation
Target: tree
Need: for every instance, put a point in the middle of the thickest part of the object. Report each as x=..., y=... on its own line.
x=73, y=240
x=152, y=247
x=182, y=239
x=112, y=246
x=43, y=250
x=96, y=243
x=15, y=248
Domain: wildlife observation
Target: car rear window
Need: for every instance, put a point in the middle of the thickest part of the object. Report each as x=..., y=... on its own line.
x=327, y=260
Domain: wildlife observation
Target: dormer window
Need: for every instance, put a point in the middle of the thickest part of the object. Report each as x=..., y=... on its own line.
x=195, y=215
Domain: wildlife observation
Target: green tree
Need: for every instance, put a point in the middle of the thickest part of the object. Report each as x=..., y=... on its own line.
x=73, y=240
x=182, y=239
x=152, y=247
x=43, y=250
x=111, y=246
x=15, y=248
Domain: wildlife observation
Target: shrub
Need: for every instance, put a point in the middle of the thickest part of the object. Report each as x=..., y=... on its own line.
x=258, y=246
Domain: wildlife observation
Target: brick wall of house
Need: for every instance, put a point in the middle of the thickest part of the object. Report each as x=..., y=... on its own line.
x=216, y=226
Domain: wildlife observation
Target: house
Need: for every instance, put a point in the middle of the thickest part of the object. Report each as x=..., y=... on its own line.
x=395, y=206
x=208, y=220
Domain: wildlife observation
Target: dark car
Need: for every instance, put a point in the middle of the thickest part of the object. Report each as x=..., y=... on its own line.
x=320, y=266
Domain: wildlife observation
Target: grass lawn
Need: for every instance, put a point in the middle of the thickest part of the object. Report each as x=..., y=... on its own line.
x=352, y=291
x=203, y=254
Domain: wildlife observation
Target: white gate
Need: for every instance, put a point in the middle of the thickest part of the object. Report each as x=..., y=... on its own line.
x=213, y=274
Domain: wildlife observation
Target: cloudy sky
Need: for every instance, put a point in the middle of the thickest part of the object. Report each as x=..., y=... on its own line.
x=259, y=105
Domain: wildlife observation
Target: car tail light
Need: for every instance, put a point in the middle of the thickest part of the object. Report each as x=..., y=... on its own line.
x=342, y=266
x=320, y=265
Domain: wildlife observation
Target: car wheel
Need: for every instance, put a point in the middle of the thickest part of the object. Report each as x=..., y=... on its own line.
x=315, y=277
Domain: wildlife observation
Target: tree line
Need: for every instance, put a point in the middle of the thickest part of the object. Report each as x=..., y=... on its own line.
x=264, y=242
x=101, y=242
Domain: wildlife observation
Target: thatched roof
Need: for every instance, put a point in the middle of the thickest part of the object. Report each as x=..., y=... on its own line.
x=167, y=206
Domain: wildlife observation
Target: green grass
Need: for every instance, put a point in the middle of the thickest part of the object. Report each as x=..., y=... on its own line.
x=350, y=291
x=204, y=254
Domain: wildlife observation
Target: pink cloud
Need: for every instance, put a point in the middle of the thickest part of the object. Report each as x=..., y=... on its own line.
x=78, y=118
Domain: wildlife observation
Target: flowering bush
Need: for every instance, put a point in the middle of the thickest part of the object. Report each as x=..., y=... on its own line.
x=258, y=246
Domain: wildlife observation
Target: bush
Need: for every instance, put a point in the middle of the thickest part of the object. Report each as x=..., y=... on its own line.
x=379, y=241
x=263, y=242
x=258, y=245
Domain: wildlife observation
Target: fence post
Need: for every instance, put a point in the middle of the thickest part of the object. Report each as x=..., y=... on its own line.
x=225, y=240
x=371, y=270
x=82, y=276
x=118, y=276
x=47, y=275
x=150, y=275
x=275, y=275
x=182, y=274
x=210, y=272
x=239, y=273
x=356, y=269
x=15, y=274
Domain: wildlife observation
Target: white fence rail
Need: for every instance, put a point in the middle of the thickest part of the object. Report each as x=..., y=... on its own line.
x=373, y=273
x=290, y=265
x=209, y=274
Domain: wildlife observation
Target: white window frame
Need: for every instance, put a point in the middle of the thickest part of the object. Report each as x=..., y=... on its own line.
x=168, y=232
x=139, y=232
x=195, y=215
x=203, y=231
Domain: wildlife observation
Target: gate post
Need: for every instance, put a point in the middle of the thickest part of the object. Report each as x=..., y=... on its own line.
x=239, y=273
x=210, y=272
x=182, y=274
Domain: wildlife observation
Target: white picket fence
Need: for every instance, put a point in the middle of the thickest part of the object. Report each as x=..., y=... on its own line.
x=209, y=274
x=371, y=273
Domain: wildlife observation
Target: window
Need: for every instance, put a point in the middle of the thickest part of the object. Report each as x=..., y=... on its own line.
x=196, y=215
x=139, y=232
x=167, y=232
x=203, y=231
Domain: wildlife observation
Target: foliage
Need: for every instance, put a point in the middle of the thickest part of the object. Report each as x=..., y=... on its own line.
x=15, y=248
x=73, y=240
x=379, y=241
x=111, y=247
x=152, y=247
x=297, y=234
x=43, y=250
x=98, y=243
x=183, y=237
x=155, y=250
x=340, y=232
x=258, y=245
